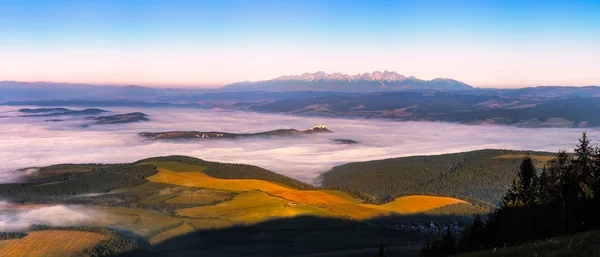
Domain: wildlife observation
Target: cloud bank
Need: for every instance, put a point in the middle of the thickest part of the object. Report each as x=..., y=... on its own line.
x=32, y=142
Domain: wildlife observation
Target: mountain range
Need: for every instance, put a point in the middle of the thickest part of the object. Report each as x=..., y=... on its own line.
x=337, y=82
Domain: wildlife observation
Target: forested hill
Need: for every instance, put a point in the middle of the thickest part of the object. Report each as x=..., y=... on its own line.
x=231, y=170
x=483, y=175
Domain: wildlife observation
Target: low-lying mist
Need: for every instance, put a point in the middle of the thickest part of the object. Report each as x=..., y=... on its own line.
x=33, y=142
x=21, y=217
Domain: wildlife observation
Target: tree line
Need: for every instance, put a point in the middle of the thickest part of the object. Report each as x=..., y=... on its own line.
x=563, y=199
x=98, y=180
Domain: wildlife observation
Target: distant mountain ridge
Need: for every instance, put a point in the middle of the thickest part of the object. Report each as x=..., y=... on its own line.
x=338, y=82
x=319, y=75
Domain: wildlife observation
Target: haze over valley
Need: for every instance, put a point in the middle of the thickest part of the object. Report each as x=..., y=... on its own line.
x=34, y=142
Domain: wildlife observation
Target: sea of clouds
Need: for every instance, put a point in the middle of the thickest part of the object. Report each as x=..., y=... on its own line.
x=27, y=142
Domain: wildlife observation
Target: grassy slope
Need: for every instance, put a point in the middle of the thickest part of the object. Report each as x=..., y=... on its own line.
x=321, y=201
x=199, y=201
x=577, y=245
x=168, y=197
x=231, y=170
x=481, y=175
x=51, y=243
x=254, y=206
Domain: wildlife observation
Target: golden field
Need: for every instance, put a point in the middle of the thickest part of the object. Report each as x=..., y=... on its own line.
x=50, y=243
x=264, y=199
x=254, y=206
x=415, y=204
x=180, y=199
x=182, y=229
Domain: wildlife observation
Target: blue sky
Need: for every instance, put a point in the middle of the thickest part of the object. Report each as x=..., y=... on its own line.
x=209, y=43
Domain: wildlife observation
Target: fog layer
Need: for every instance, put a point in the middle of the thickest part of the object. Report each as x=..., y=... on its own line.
x=33, y=142
x=20, y=217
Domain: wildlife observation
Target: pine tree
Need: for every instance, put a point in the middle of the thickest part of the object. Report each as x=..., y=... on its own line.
x=522, y=191
x=528, y=180
x=583, y=163
x=596, y=172
x=543, y=187
x=511, y=198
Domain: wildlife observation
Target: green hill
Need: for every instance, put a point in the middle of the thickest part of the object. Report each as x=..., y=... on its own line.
x=481, y=175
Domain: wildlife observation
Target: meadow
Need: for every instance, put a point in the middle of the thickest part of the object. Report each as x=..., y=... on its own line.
x=50, y=243
x=266, y=199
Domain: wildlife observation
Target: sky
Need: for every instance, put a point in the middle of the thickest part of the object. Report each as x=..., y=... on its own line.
x=213, y=43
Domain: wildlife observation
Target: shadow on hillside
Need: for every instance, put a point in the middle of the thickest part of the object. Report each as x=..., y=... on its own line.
x=303, y=236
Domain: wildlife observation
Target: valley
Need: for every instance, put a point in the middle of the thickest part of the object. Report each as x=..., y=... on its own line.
x=162, y=199
x=360, y=182
x=183, y=205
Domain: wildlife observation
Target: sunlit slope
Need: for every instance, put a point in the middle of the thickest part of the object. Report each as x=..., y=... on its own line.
x=254, y=206
x=415, y=204
x=184, y=228
x=50, y=243
x=199, y=179
x=152, y=225
x=275, y=200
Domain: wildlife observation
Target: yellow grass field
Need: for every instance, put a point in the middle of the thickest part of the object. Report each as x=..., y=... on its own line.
x=274, y=200
x=342, y=195
x=309, y=197
x=415, y=204
x=254, y=206
x=356, y=211
x=144, y=222
x=183, y=229
x=50, y=243
x=140, y=221
x=176, y=183
x=199, y=179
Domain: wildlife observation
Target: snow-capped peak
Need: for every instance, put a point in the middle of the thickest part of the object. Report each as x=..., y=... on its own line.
x=385, y=76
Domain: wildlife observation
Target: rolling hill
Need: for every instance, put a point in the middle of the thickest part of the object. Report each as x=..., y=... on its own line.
x=167, y=202
x=482, y=175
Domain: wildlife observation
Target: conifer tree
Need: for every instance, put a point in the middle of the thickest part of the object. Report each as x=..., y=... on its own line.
x=522, y=191
x=583, y=165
